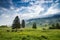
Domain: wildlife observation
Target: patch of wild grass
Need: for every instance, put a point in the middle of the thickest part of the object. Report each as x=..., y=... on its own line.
x=30, y=34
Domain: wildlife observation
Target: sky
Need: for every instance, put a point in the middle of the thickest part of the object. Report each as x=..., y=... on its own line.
x=27, y=9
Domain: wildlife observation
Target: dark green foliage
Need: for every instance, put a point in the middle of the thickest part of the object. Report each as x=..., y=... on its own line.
x=53, y=26
x=8, y=30
x=44, y=29
x=57, y=26
x=34, y=26
x=16, y=23
x=23, y=24
x=24, y=38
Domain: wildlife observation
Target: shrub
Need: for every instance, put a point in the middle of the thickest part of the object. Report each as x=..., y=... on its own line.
x=24, y=38
x=34, y=26
x=44, y=29
x=8, y=30
x=23, y=24
x=57, y=26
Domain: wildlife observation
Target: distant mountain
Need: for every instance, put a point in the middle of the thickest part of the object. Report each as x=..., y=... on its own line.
x=46, y=20
x=56, y=16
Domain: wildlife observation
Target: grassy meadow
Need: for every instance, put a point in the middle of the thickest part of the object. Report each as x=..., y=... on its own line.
x=30, y=34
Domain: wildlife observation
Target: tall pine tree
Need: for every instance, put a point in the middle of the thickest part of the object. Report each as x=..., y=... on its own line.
x=16, y=23
x=23, y=23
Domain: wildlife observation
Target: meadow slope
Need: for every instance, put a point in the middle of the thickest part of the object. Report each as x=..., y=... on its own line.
x=30, y=34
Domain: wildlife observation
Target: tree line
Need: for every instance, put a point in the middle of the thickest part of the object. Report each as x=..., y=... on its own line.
x=16, y=24
x=55, y=26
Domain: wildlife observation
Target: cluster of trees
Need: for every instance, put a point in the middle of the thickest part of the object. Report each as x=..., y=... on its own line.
x=55, y=26
x=16, y=24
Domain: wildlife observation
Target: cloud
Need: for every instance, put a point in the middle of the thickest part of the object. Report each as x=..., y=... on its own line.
x=25, y=0
x=52, y=10
x=5, y=19
x=29, y=13
x=18, y=3
x=36, y=10
x=5, y=3
x=57, y=1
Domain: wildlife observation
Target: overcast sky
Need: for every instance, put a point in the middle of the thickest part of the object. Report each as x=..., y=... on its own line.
x=27, y=9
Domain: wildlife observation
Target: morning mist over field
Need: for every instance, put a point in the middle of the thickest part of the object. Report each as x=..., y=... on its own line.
x=27, y=9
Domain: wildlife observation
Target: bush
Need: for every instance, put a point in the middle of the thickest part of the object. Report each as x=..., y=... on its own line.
x=24, y=38
x=57, y=26
x=34, y=26
x=23, y=23
x=8, y=30
x=44, y=29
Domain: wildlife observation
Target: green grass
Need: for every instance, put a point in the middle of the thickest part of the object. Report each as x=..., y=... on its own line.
x=30, y=34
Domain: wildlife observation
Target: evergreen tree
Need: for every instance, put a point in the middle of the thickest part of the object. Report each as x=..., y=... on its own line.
x=16, y=23
x=23, y=24
x=57, y=26
x=53, y=26
x=34, y=26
